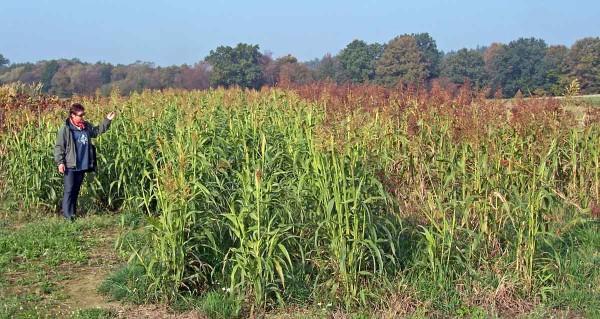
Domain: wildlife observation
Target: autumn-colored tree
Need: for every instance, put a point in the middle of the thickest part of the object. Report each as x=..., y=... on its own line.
x=528, y=65
x=296, y=73
x=196, y=77
x=30, y=73
x=286, y=70
x=272, y=68
x=492, y=61
x=12, y=73
x=584, y=61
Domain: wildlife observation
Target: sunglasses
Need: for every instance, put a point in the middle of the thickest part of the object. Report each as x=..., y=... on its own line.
x=80, y=114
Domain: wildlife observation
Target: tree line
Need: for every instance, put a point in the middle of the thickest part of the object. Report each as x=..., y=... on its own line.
x=526, y=65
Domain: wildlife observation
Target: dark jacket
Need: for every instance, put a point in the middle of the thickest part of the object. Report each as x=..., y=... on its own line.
x=64, y=148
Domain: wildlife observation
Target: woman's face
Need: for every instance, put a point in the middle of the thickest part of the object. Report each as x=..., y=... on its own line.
x=77, y=117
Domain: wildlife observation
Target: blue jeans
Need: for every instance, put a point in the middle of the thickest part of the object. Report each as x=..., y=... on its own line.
x=73, y=180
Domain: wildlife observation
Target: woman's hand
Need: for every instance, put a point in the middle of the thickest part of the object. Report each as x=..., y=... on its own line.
x=61, y=168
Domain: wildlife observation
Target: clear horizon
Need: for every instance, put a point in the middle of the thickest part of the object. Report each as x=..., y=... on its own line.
x=168, y=33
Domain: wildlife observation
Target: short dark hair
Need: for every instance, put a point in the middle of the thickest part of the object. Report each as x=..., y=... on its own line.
x=76, y=108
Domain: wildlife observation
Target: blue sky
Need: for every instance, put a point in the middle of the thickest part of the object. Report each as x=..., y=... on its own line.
x=175, y=32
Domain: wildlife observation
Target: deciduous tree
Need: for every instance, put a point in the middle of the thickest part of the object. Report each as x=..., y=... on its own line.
x=465, y=64
x=401, y=61
x=557, y=64
x=584, y=60
x=357, y=61
x=236, y=66
x=3, y=61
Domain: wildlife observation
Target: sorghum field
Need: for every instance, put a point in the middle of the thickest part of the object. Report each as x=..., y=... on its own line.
x=315, y=201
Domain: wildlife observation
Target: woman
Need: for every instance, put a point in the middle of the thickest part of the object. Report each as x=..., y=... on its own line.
x=75, y=154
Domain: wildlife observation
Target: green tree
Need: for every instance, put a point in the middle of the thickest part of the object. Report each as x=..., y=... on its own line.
x=584, y=60
x=357, y=61
x=329, y=69
x=465, y=64
x=557, y=64
x=236, y=66
x=492, y=57
x=520, y=66
x=49, y=70
x=61, y=84
x=3, y=61
x=430, y=56
x=401, y=61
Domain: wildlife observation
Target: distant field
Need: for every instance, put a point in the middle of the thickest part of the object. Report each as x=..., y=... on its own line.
x=593, y=99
